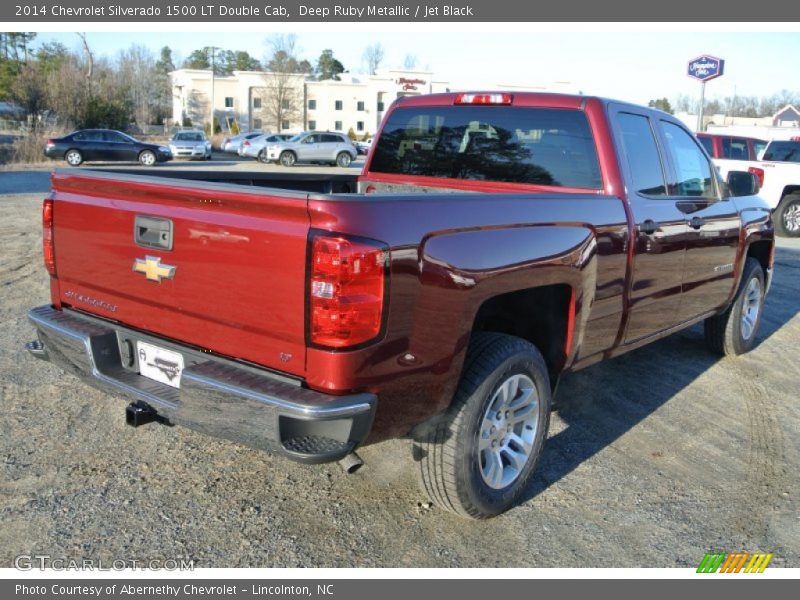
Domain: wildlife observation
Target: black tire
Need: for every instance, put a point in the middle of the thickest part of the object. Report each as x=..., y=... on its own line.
x=74, y=157
x=343, y=159
x=262, y=157
x=288, y=158
x=727, y=334
x=147, y=158
x=787, y=216
x=451, y=464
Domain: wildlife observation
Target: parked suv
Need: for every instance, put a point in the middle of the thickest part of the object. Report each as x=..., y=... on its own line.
x=313, y=146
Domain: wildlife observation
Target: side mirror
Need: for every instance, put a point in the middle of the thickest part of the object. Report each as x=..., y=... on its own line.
x=742, y=183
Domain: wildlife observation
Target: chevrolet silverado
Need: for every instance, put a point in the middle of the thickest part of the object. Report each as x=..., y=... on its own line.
x=492, y=243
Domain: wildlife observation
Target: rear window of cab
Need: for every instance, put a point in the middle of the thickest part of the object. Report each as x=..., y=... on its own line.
x=537, y=146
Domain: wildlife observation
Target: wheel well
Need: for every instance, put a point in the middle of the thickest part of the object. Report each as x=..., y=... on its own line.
x=761, y=250
x=539, y=315
x=790, y=189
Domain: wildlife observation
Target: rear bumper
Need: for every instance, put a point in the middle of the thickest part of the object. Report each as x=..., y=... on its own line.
x=217, y=396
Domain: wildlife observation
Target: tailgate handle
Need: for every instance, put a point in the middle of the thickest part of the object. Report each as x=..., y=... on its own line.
x=152, y=232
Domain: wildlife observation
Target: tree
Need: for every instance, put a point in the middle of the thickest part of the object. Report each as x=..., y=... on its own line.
x=198, y=59
x=136, y=72
x=373, y=56
x=328, y=67
x=410, y=62
x=283, y=81
x=661, y=104
x=242, y=61
x=163, y=84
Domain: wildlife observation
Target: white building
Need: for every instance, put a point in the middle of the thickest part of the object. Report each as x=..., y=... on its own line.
x=251, y=99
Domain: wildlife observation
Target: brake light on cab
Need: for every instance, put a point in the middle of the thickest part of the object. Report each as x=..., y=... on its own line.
x=484, y=99
x=347, y=290
x=759, y=173
x=48, y=247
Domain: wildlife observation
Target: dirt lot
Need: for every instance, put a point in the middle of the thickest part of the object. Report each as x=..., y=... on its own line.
x=654, y=458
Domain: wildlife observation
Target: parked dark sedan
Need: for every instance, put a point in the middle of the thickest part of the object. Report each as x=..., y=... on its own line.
x=106, y=145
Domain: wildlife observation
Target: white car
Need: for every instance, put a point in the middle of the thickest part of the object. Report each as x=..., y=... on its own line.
x=190, y=144
x=231, y=143
x=256, y=147
x=780, y=186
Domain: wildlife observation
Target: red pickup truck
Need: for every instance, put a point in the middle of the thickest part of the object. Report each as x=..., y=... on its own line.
x=492, y=243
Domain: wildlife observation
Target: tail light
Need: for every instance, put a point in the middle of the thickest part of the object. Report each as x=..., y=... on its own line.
x=47, y=237
x=758, y=173
x=246, y=143
x=371, y=189
x=347, y=288
x=51, y=143
x=503, y=99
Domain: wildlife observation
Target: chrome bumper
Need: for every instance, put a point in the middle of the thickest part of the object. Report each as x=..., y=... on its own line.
x=217, y=396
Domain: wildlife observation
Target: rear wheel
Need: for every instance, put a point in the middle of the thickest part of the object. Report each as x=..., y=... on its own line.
x=73, y=157
x=288, y=158
x=787, y=217
x=147, y=158
x=262, y=156
x=478, y=459
x=734, y=331
x=344, y=159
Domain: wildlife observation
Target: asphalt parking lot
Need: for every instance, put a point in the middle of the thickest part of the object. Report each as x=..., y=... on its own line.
x=654, y=458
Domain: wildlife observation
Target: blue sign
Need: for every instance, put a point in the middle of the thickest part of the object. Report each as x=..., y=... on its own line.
x=705, y=67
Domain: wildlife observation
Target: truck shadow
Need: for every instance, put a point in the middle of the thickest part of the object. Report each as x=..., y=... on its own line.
x=603, y=402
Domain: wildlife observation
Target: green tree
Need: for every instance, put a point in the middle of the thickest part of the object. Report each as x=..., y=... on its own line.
x=661, y=104
x=198, y=59
x=328, y=67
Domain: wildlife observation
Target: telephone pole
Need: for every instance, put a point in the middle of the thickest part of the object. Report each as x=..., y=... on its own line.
x=212, y=50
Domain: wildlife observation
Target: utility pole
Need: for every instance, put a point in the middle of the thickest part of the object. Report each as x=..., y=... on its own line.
x=213, y=50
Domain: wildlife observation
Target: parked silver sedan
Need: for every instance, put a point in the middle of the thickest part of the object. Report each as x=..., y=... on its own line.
x=190, y=144
x=257, y=147
x=314, y=147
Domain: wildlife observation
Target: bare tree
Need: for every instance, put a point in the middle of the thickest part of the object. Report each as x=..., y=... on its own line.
x=89, y=57
x=410, y=62
x=136, y=73
x=284, y=79
x=373, y=56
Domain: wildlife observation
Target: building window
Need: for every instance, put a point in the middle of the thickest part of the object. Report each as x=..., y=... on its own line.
x=256, y=123
x=380, y=106
x=228, y=101
x=339, y=105
x=312, y=105
x=285, y=104
x=312, y=125
x=256, y=102
x=284, y=124
x=360, y=105
x=360, y=126
x=337, y=125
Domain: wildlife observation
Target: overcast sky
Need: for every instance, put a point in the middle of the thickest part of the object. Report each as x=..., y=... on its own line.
x=624, y=65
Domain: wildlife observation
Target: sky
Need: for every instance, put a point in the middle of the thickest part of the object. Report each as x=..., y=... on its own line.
x=628, y=65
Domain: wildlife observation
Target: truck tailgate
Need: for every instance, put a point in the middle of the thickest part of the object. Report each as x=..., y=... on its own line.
x=232, y=283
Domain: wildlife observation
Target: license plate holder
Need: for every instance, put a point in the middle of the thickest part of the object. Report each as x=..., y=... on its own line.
x=160, y=364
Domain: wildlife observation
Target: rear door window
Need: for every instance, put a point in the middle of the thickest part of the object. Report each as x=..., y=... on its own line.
x=734, y=148
x=538, y=146
x=641, y=152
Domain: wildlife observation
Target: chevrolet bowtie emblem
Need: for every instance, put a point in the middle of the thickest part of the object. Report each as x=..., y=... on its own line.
x=153, y=269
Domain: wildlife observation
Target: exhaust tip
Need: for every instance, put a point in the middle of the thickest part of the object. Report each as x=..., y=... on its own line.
x=351, y=463
x=36, y=348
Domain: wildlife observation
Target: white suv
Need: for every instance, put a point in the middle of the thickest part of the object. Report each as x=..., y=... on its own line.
x=314, y=147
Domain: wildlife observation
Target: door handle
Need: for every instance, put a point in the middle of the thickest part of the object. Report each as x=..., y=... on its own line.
x=648, y=227
x=697, y=223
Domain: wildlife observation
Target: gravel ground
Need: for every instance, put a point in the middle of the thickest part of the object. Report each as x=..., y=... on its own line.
x=654, y=458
